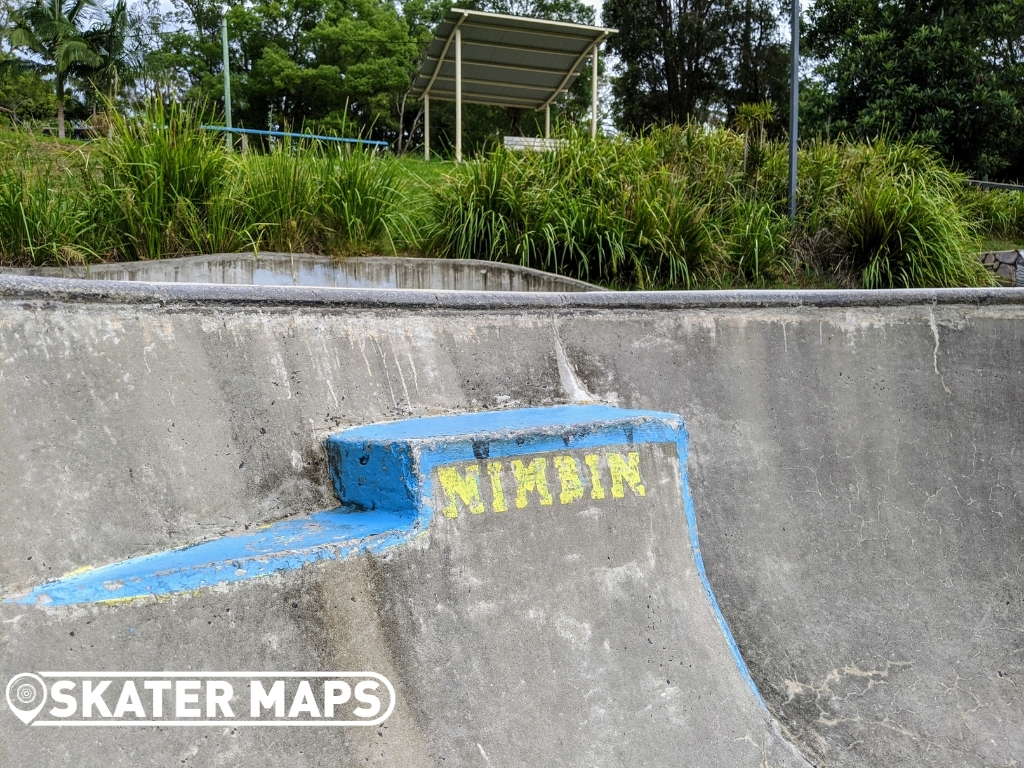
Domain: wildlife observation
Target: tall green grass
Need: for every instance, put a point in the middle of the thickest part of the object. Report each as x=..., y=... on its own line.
x=160, y=186
x=691, y=207
x=156, y=179
x=679, y=207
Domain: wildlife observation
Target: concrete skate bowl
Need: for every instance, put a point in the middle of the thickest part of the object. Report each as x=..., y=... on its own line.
x=493, y=501
x=313, y=271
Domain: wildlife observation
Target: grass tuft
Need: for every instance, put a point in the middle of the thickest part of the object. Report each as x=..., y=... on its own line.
x=688, y=207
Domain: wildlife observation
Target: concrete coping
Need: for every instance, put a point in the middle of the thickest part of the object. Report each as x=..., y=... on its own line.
x=46, y=289
x=271, y=268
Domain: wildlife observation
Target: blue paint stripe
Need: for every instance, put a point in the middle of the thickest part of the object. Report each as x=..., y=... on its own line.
x=683, y=446
x=284, y=546
x=484, y=423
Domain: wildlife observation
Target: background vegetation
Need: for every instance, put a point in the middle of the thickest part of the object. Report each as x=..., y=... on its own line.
x=680, y=207
x=949, y=75
x=900, y=104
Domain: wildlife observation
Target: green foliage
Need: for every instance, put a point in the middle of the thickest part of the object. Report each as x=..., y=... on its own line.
x=342, y=67
x=679, y=208
x=161, y=187
x=155, y=171
x=753, y=120
x=999, y=215
x=51, y=30
x=899, y=223
x=676, y=208
x=694, y=59
x=24, y=95
x=644, y=213
x=298, y=64
x=118, y=47
x=321, y=201
x=949, y=74
x=44, y=219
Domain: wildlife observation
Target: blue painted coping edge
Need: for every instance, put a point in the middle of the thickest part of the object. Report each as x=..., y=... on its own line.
x=397, y=455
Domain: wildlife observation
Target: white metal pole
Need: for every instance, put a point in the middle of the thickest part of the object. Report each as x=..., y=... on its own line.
x=426, y=126
x=458, y=95
x=593, y=100
x=547, y=121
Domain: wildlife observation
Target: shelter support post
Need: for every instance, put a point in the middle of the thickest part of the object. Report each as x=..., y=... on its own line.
x=426, y=126
x=547, y=121
x=593, y=99
x=458, y=95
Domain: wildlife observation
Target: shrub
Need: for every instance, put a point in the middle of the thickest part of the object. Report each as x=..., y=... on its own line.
x=695, y=207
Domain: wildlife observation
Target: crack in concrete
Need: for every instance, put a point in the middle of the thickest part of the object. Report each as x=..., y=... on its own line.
x=935, y=352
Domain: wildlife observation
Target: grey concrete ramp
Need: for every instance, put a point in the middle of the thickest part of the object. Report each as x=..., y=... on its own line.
x=854, y=467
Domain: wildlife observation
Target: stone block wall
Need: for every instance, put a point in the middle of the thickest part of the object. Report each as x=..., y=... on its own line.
x=1009, y=265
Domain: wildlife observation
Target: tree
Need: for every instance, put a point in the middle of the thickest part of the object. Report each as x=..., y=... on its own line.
x=950, y=74
x=334, y=65
x=118, y=53
x=674, y=56
x=24, y=95
x=694, y=59
x=50, y=30
x=420, y=16
x=759, y=58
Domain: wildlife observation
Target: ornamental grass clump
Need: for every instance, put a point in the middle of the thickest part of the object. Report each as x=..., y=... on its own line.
x=160, y=186
x=676, y=207
x=44, y=219
x=696, y=207
x=332, y=200
x=155, y=180
x=606, y=212
x=894, y=220
x=650, y=212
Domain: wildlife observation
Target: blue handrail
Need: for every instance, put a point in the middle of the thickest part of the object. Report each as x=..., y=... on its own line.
x=289, y=135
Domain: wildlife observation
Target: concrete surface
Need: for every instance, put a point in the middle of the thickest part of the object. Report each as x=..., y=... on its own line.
x=854, y=466
x=302, y=269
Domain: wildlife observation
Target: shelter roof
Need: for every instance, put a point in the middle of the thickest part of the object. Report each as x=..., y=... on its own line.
x=507, y=61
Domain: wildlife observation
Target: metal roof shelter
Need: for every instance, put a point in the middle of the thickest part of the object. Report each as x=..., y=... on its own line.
x=504, y=61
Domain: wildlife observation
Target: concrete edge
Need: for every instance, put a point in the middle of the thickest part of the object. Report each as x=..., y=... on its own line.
x=62, y=290
x=271, y=256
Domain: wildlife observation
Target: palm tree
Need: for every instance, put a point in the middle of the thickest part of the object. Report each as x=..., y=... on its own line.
x=50, y=29
x=118, y=52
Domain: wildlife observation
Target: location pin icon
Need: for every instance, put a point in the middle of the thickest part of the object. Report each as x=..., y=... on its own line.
x=24, y=691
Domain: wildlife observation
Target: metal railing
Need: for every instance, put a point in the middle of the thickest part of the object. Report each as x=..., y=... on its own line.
x=290, y=135
x=995, y=185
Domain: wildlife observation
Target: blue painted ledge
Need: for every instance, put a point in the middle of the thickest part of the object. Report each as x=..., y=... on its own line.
x=381, y=473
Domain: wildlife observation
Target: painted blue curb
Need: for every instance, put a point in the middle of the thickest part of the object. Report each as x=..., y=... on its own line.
x=382, y=475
